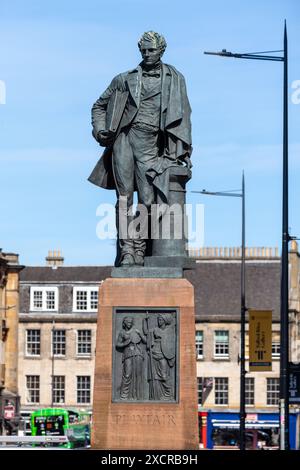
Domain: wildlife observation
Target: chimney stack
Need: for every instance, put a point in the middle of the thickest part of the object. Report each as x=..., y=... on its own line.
x=54, y=258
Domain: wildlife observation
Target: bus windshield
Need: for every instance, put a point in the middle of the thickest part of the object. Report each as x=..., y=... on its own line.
x=49, y=425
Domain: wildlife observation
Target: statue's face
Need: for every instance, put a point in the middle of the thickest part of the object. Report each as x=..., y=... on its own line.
x=128, y=323
x=160, y=321
x=150, y=53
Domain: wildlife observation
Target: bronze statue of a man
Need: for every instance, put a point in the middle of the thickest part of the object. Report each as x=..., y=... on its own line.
x=143, y=120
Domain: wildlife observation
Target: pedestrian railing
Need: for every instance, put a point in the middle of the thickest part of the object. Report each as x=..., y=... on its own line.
x=33, y=440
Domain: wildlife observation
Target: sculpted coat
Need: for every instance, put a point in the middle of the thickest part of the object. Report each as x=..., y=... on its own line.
x=174, y=122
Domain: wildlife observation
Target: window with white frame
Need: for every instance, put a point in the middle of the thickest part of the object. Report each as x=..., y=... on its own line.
x=221, y=390
x=83, y=389
x=43, y=299
x=58, y=342
x=249, y=391
x=84, y=342
x=33, y=388
x=221, y=344
x=58, y=389
x=273, y=385
x=199, y=344
x=275, y=349
x=33, y=342
x=85, y=299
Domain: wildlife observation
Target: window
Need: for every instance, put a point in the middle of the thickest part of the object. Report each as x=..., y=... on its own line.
x=272, y=391
x=58, y=389
x=199, y=344
x=221, y=344
x=205, y=385
x=33, y=342
x=275, y=349
x=85, y=299
x=200, y=389
x=249, y=391
x=37, y=299
x=59, y=342
x=50, y=300
x=83, y=389
x=221, y=391
x=33, y=388
x=43, y=299
x=81, y=300
x=84, y=342
x=94, y=299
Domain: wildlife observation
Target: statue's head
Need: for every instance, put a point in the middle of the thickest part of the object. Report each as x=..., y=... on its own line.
x=152, y=46
x=164, y=320
x=128, y=323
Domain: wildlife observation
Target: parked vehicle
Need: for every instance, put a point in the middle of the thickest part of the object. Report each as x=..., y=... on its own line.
x=62, y=422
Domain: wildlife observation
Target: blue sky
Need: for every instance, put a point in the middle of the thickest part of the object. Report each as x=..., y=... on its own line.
x=57, y=57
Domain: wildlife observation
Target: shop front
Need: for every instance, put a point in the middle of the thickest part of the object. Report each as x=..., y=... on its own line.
x=221, y=430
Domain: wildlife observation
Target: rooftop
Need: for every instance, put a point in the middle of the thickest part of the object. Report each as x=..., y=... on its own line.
x=217, y=285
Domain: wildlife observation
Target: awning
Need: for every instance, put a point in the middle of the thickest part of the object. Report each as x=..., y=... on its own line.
x=235, y=424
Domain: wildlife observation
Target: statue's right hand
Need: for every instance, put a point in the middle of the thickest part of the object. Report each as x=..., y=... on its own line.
x=105, y=138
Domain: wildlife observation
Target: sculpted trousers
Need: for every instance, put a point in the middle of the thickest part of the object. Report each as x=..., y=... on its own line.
x=135, y=151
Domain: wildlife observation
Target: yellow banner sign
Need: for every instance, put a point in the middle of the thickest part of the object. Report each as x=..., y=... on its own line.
x=260, y=340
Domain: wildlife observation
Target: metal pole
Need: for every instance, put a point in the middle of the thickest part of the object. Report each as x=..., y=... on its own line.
x=284, y=308
x=233, y=193
x=284, y=290
x=243, y=322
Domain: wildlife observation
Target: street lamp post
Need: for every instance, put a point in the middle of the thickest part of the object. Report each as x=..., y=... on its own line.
x=284, y=307
x=234, y=193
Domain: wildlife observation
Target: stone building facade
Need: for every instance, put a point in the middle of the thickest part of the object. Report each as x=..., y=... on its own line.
x=218, y=276
x=218, y=310
x=57, y=335
x=9, y=322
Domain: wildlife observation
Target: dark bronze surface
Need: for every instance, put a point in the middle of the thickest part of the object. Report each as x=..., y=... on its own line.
x=143, y=120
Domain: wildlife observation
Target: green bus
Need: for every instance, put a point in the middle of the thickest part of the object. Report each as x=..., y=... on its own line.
x=74, y=424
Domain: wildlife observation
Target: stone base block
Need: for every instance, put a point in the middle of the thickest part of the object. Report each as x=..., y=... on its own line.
x=146, y=272
x=145, y=424
x=169, y=261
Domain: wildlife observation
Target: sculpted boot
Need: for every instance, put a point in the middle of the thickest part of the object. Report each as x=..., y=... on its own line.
x=139, y=258
x=127, y=260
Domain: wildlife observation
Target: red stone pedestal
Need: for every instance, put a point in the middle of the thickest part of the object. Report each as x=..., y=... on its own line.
x=145, y=425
